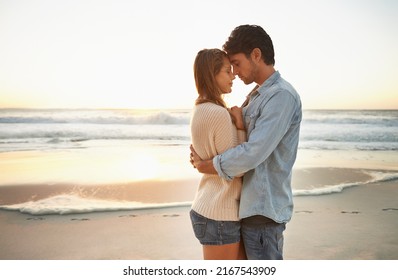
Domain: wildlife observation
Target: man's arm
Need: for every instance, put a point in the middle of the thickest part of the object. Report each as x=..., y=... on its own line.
x=203, y=166
x=270, y=127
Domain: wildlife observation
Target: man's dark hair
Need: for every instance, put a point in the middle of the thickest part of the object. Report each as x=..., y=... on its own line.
x=245, y=38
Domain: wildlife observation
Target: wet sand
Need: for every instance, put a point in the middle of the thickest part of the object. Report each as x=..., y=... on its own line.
x=359, y=223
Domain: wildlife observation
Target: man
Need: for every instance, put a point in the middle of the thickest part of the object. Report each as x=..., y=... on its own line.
x=272, y=115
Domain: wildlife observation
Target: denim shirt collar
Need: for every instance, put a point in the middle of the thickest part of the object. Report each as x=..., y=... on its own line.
x=259, y=90
x=268, y=82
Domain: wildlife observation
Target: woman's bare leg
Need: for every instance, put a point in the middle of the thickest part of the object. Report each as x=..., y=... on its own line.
x=234, y=251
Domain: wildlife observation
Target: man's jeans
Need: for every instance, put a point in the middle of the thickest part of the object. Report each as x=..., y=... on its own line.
x=263, y=238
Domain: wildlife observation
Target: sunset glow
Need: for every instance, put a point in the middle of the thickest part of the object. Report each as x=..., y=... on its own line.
x=128, y=54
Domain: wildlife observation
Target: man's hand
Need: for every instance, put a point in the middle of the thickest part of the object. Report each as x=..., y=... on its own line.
x=203, y=166
x=194, y=157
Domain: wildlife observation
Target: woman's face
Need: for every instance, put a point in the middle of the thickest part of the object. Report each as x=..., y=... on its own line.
x=225, y=77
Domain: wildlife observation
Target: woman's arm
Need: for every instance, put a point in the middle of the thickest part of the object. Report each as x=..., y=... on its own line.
x=237, y=117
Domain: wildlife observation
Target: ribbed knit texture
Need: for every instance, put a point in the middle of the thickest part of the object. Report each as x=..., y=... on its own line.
x=213, y=133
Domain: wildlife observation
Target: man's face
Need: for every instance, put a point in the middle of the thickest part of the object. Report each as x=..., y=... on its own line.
x=243, y=67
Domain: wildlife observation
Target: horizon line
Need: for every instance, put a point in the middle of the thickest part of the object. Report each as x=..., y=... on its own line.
x=178, y=108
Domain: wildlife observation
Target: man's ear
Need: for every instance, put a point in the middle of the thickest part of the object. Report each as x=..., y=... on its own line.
x=256, y=54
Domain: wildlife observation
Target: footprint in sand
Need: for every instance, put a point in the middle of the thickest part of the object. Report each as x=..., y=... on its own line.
x=128, y=216
x=36, y=218
x=390, y=209
x=173, y=215
x=350, y=212
x=83, y=219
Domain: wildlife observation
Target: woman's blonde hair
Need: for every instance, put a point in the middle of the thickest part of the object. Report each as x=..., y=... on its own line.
x=208, y=64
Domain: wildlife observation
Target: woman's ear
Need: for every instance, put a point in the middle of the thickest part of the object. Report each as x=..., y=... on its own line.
x=256, y=54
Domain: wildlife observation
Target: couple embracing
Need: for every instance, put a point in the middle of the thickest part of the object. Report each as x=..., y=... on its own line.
x=246, y=154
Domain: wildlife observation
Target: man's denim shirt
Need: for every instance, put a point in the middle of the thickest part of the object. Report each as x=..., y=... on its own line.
x=272, y=119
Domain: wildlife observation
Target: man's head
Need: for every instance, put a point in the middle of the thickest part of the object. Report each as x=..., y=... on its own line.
x=249, y=48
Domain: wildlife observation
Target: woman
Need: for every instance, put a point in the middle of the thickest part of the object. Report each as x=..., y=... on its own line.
x=215, y=129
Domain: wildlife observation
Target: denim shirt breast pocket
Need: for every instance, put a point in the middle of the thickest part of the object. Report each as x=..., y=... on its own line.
x=250, y=117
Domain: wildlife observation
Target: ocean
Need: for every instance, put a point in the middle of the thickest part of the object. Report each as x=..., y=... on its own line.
x=138, y=145
x=43, y=130
x=34, y=129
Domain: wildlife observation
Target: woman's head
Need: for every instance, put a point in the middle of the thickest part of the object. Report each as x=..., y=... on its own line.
x=213, y=76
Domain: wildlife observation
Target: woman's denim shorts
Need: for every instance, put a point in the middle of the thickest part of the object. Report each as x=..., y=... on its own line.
x=211, y=232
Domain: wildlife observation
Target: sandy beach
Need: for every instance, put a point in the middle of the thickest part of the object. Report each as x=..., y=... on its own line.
x=358, y=223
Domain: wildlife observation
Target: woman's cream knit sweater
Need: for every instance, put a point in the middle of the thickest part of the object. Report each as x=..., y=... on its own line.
x=213, y=132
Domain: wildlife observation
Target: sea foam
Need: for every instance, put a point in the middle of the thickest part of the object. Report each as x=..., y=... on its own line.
x=74, y=204
x=376, y=177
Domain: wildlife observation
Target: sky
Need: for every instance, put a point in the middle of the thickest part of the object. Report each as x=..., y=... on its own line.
x=338, y=54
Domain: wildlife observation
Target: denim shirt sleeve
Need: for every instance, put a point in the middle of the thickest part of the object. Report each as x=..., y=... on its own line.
x=266, y=127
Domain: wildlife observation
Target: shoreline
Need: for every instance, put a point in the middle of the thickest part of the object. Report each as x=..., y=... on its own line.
x=358, y=224
x=307, y=181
